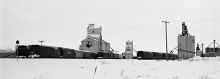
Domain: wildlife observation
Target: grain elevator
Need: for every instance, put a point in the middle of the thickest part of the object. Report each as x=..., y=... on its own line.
x=94, y=41
x=186, y=43
x=129, y=50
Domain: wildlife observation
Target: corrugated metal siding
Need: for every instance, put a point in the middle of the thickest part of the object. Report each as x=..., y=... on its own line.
x=103, y=46
x=186, y=46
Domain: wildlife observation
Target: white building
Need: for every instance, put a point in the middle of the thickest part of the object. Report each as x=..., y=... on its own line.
x=94, y=41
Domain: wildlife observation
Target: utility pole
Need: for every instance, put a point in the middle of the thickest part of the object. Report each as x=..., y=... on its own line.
x=41, y=41
x=166, y=38
x=214, y=46
x=202, y=49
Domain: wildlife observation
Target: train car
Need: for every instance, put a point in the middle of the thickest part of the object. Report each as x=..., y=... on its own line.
x=116, y=56
x=158, y=55
x=94, y=55
x=163, y=54
x=172, y=56
x=140, y=54
x=88, y=54
x=111, y=55
x=175, y=55
x=166, y=55
x=102, y=55
x=79, y=54
x=44, y=51
x=22, y=51
x=67, y=53
x=34, y=51
x=145, y=55
x=106, y=55
x=169, y=55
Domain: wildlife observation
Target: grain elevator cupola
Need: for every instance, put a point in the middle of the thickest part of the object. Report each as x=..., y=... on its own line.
x=184, y=30
x=94, y=31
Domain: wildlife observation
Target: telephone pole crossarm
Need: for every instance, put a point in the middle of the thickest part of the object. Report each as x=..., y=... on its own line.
x=41, y=41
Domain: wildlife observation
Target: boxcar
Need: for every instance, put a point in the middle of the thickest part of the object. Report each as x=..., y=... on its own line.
x=172, y=56
x=106, y=55
x=111, y=55
x=99, y=54
x=140, y=54
x=164, y=55
x=94, y=55
x=145, y=55
x=22, y=51
x=158, y=55
x=79, y=54
x=116, y=56
x=167, y=55
x=176, y=57
x=102, y=55
x=44, y=51
x=67, y=53
x=87, y=54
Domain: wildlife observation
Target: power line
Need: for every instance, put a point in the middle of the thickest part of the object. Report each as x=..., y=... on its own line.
x=193, y=20
x=66, y=38
x=142, y=26
x=121, y=30
x=132, y=28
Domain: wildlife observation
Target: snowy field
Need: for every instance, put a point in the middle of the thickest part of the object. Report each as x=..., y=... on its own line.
x=196, y=68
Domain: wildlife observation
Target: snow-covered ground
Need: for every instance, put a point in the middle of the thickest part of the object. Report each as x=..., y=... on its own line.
x=195, y=68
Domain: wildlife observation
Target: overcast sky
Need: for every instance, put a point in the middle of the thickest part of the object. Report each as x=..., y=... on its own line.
x=64, y=22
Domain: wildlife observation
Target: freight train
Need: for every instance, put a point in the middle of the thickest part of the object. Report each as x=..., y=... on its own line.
x=42, y=51
x=155, y=55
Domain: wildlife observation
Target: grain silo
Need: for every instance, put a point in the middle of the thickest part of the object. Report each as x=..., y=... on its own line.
x=186, y=43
